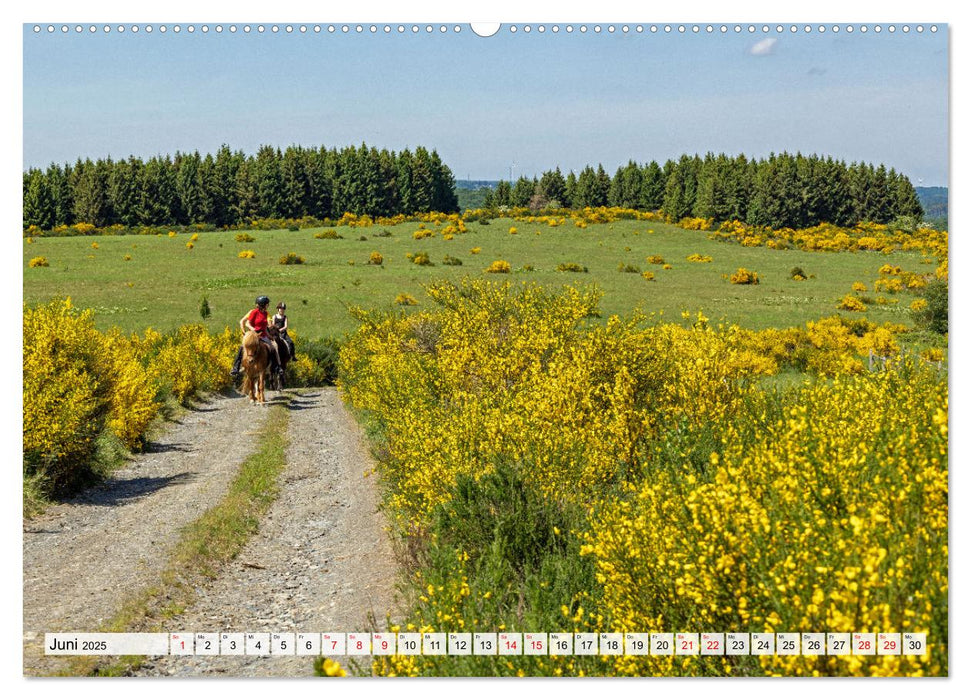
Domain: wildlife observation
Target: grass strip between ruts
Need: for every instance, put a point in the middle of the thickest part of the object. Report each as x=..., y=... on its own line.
x=215, y=538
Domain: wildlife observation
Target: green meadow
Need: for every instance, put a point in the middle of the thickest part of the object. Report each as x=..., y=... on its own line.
x=164, y=281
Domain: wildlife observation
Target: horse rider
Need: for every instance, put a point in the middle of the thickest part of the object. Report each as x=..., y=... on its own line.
x=282, y=324
x=256, y=321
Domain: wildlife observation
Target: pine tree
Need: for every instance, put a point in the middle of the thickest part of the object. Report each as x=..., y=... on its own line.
x=443, y=197
x=59, y=182
x=422, y=182
x=553, y=188
x=626, y=186
x=91, y=194
x=906, y=202
x=387, y=178
x=123, y=190
x=738, y=188
x=652, y=187
x=675, y=205
x=602, y=188
x=406, y=192
x=187, y=185
x=247, y=195
x=294, y=198
x=502, y=195
x=269, y=182
x=585, y=191
x=522, y=192
x=709, y=199
x=219, y=179
x=39, y=209
x=570, y=189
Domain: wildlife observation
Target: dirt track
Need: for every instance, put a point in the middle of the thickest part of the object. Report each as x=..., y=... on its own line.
x=320, y=562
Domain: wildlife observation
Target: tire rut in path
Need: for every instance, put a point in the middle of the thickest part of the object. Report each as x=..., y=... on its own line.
x=84, y=556
x=321, y=561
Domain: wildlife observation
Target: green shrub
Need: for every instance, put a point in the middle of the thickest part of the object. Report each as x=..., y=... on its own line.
x=322, y=355
x=292, y=259
x=934, y=316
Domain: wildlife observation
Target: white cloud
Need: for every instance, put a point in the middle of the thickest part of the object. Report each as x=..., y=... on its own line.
x=763, y=48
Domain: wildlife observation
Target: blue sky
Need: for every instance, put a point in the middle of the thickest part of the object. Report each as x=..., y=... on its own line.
x=536, y=101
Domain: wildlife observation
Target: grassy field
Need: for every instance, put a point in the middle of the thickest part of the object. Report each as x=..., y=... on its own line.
x=163, y=282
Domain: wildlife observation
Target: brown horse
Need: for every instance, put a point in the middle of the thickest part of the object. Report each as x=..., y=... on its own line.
x=256, y=360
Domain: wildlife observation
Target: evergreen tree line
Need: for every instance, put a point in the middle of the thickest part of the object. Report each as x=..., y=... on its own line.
x=781, y=190
x=230, y=188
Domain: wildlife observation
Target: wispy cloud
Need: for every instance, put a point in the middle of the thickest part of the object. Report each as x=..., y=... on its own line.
x=763, y=48
x=816, y=70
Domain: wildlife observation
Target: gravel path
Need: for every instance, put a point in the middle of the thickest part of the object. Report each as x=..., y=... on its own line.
x=82, y=556
x=321, y=561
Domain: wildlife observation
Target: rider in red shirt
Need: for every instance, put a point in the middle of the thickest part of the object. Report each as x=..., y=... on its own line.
x=257, y=320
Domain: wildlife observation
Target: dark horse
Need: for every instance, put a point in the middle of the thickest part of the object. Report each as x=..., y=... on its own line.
x=276, y=380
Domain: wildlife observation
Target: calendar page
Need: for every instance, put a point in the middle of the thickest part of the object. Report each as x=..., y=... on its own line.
x=514, y=349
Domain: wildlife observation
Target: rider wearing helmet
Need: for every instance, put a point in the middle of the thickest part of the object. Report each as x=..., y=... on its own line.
x=256, y=321
x=282, y=323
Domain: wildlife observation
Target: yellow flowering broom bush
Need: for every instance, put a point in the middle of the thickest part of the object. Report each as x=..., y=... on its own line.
x=796, y=523
x=550, y=473
x=82, y=386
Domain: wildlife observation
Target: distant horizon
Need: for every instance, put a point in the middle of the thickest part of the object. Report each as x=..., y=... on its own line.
x=526, y=102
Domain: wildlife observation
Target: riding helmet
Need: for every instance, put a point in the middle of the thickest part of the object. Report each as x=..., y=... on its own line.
x=281, y=305
x=262, y=301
